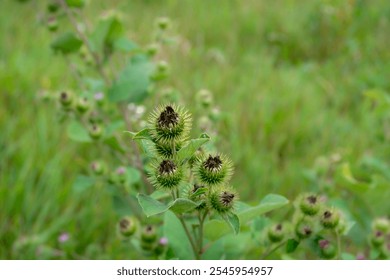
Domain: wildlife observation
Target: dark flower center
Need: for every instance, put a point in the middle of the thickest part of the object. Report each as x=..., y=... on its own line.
x=167, y=166
x=323, y=243
x=312, y=199
x=168, y=118
x=64, y=95
x=196, y=187
x=327, y=214
x=124, y=223
x=227, y=198
x=307, y=230
x=213, y=163
x=149, y=228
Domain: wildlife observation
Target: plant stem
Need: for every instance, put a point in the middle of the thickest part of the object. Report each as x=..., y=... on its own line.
x=137, y=155
x=193, y=245
x=201, y=223
x=83, y=37
x=338, y=244
x=269, y=252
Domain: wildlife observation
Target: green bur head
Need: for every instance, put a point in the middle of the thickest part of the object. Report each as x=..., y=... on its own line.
x=214, y=170
x=222, y=200
x=167, y=174
x=169, y=124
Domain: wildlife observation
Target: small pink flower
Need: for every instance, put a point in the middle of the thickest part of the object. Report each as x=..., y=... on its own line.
x=121, y=170
x=360, y=256
x=163, y=241
x=99, y=96
x=323, y=243
x=63, y=237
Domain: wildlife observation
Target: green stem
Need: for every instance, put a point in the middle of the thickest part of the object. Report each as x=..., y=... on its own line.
x=338, y=244
x=86, y=42
x=201, y=223
x=269, y=252
x=193, y=245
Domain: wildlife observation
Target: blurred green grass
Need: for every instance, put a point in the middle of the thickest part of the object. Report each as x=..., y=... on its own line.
x=289, y=77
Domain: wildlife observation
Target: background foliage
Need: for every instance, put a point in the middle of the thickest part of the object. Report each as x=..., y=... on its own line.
x=302, y=87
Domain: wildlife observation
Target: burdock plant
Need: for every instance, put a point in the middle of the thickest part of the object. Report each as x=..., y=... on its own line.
x=198, y=185
x=163, y=171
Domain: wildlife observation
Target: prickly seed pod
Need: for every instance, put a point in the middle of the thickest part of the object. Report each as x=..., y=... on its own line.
x=330, y=218
x=97, y=167
x=166, y=150
x=152, y=49
x=328, y=250
x=169, y=123
x=167, y=174
x=53, y=6
x=204, y=97
x=127, y=226
x=148, y=234
x=214, y=170
x=147, y=246
x=121, y=174
x=309, y=204
x=222, y=200
x=163, y=23
x=381, y=224
x=162, y=71
x=377, y=238
x=66, y=98
x=82, y=105
x=95, y=131
x=276, y=233
x=52, y=24
x=304, y=229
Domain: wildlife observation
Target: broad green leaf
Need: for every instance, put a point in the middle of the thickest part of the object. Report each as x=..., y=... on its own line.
x=291, y=245
x=133, y=175
x=151, y=207
x=269, y=203
x=216, y=251
x=215, y=229
x=94, y=85
x=245, y=214
x=75, y=3
x=346, y=177
x=199, y=191
x=159, y=194
x=182, y=205
x=66, y=43
x=121, y=204
x=133, y=82
x=107, y=31
x=82, y=183
x=113, y=127
x=233, y=221
x=77, y=132
x=114, y=144
x=125, y=45
x=177, y=238
x=347, y=256
x=191, y=147
x=142, y=134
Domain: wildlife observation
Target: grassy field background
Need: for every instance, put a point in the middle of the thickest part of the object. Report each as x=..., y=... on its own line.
x=291, y=79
